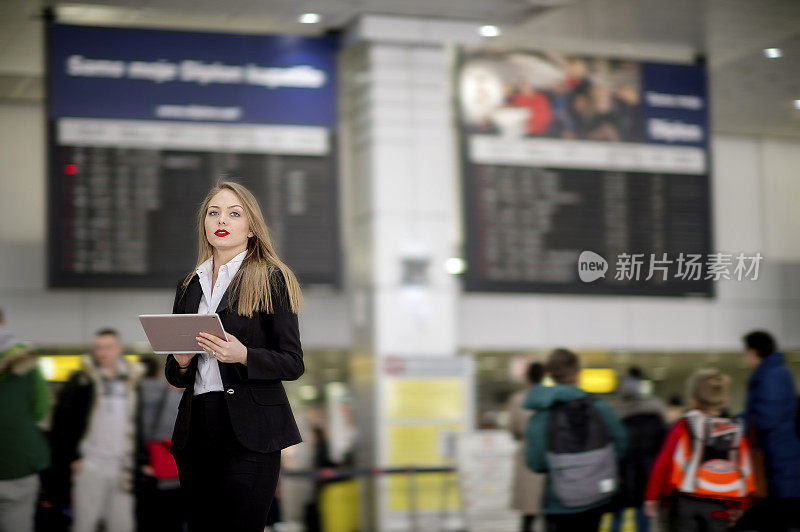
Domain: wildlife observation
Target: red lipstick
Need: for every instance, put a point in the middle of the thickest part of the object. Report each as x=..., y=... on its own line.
x=221, y=232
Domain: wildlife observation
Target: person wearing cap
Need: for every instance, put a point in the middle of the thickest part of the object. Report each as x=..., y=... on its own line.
x=23, y=448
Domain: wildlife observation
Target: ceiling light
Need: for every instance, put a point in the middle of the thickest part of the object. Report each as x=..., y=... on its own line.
x=489, y=31
x=772, y=53
x=309, y=18
x=455, y=265
x=797, y=104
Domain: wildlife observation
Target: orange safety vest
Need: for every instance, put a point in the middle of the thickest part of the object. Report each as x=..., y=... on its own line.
x=730, y=478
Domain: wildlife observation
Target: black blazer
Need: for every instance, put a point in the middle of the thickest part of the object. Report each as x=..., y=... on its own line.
x=259, y=409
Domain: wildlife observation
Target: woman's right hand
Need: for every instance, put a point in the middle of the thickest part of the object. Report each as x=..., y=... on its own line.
x=184, y=360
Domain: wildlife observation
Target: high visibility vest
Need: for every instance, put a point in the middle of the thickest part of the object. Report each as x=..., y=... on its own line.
x=718, y=478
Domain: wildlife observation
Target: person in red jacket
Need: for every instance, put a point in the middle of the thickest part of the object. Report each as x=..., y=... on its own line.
x=539, y=110
x=704, y=465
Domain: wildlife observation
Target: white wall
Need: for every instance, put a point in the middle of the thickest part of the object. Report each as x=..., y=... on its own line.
x=754, y=190
x=22, y=169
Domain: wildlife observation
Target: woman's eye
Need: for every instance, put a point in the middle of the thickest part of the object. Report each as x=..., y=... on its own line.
x=234, y=213
x=212, y=213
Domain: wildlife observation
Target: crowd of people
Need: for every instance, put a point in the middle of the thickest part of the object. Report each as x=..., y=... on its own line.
x=709, y=471
x=577, y=104
x=107, y=460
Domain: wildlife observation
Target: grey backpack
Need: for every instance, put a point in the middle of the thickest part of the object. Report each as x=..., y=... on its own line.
x=582, y=461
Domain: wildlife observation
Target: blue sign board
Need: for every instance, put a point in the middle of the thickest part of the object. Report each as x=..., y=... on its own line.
x=150, y=74
x=144, y=122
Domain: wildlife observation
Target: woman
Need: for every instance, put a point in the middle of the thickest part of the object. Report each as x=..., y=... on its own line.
x=527, y=487
x=234, y=417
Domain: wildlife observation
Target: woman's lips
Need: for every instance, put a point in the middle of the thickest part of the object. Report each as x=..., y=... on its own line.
x=221, y=232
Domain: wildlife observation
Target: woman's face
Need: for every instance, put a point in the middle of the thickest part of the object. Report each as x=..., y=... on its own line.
x=226, y=223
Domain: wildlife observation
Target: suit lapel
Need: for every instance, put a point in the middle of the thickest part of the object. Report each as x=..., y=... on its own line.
x=224, y=303
x=193, y=295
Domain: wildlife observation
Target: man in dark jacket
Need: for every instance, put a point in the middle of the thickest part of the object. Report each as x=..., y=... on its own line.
x=772, y=411
x=24, y=400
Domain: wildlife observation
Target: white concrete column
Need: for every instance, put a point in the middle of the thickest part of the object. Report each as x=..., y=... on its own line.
x=399, y=189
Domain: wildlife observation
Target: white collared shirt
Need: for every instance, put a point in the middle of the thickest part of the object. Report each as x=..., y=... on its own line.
x=208, y=378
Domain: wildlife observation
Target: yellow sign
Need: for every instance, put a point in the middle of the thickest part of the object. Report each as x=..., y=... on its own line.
x=418, y=444
x=598, y=380
x=58, y=368
x=424, y=398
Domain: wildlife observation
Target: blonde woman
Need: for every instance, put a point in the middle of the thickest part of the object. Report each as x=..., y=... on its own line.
x=234, y=417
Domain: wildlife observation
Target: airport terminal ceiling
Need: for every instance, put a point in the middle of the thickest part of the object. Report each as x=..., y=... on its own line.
x=686, y=29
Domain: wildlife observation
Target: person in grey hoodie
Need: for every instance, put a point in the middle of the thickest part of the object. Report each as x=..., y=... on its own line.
x=643, y=418
x=95, y=438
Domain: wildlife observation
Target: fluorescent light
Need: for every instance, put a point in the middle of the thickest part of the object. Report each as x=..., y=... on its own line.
x=797, y=104
x=455, y=265
x=489, y=31
x=309, y=18
x=772, y=53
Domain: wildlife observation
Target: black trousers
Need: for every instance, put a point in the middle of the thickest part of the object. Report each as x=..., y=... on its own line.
x=158, y=509
x=696, y=514
x=225, y=485
x=588, y=521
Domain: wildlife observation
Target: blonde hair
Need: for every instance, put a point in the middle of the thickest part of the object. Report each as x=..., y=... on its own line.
x=261, y=266
x=709, y=387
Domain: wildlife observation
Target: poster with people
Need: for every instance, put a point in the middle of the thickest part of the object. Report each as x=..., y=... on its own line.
x=584, y=174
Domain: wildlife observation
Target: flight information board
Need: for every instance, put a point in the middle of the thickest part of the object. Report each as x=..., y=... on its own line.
x=143, y=123
x=586, y=176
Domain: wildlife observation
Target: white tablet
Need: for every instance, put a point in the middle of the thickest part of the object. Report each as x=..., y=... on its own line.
x=176, y=333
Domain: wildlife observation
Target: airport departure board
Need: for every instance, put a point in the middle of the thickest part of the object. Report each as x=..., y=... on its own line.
x=143, y=123
x=572, y=166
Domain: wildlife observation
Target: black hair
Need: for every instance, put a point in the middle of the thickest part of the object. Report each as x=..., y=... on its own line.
x=152, y=367
x=635, y=372
x=675, y=400
x=535, y=372
x=107, y=330
x=761, y=342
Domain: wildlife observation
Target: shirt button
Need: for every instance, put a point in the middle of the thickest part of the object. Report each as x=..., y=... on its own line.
x=230, y=391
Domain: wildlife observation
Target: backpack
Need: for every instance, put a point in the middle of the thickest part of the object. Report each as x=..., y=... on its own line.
x=712, y=458
x=580, y=453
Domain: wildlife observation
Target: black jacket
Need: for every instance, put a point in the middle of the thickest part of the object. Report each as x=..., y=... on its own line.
x=257, y=404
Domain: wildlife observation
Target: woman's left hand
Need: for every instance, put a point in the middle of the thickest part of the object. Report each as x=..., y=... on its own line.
x=231, y=351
